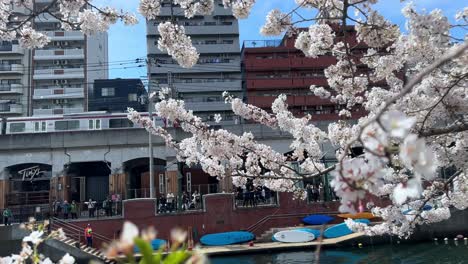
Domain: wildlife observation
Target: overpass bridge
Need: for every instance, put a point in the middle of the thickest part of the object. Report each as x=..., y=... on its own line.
x=77, y=165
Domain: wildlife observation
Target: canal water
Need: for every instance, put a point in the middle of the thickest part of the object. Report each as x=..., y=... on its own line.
x=398, y=253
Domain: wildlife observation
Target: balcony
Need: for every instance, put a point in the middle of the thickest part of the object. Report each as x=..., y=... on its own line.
x=208, y=106
x=68, y=73
x=201, y=48
x=233, y=66
x=58, y=93
x=295, y=82
x=11, y=88
x=11, y=69
x=59, y=54
x=220, y=28
x=57, y=111
x=64, y=35
x=7, y=108
x=11, y=49
x=234, y=85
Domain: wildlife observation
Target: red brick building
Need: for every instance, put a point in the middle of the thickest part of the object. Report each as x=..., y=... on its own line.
x=274, y=67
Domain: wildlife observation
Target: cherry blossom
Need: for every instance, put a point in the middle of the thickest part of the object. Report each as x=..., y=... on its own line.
x=316, y=41
x=397, y=124
x=177, y=44
x=276, y=23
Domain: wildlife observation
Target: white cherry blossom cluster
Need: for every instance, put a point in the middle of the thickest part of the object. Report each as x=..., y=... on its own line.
x=150, y=8
x=320, y=91
x=316, y=41
x=276, y=23
x=240, y=8
x=177, y=44
x=193, y=7
x=377, y=32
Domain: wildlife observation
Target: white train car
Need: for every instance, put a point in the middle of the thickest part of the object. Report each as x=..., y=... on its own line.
x=87, y=121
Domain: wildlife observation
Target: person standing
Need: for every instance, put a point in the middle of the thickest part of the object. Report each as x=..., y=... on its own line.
x=91, y=207
x=89, y=236
x=74, y=210
x=66, y=209
x=6, y=216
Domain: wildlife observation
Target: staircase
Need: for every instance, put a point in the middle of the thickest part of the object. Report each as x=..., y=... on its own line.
x=74, y=235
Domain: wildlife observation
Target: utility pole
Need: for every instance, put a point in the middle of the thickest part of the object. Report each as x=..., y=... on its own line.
x=180, y=165
x=150, y=139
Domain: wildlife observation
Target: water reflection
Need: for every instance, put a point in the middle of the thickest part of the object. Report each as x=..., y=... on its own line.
x=398, y=254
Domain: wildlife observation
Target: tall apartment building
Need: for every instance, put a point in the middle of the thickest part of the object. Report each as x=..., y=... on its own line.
x=64, y=71
x=54, y=79
x=274, y=67
x=14, y=79
x=216, y=38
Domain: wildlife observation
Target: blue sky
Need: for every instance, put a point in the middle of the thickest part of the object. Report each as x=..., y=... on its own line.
x=129, y=43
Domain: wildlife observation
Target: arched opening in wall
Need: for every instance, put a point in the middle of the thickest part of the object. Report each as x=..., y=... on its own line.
x=88, y=180
x=29, y=184
x=195, y=179
x=138, y=180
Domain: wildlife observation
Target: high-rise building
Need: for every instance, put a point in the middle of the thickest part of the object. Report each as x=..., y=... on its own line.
x=14, y=79
x=64, y=71
x=115, y=95
x=216, y=38
x=55, y=79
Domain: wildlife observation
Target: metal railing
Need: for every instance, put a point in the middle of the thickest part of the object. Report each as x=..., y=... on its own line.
x=76, y=232
x=256, y=199
x=261, y=43
x=28, y=198
x=83, y=211
x=22, y=214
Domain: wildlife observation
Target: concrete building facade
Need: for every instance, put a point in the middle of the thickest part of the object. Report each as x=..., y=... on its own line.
x=64, y=70
x=14, y=79
x=54, y=79
x=216, y=38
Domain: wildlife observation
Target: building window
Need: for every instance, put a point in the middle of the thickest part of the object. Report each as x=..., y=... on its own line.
x=161, y=183
x=132, y=97
x=189, y=181
x=40, y=126
x=108, y=91
x=228, y=41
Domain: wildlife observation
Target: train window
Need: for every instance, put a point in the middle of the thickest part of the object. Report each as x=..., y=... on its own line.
x=67, y=125
x=119, y=123
x=94, y=124
x=40, y=126
x=17, y=127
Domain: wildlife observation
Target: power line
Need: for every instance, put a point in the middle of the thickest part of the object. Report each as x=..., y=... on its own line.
x=109, y=63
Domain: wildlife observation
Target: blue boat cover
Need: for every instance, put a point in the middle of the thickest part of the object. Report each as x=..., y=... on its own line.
x=341, y=229
x=227, y=238
x=311, y=230
x=155, y=244
x=317, y=219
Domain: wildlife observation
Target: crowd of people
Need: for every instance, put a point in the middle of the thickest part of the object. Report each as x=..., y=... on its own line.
x=250, y=195
x=317, y=193
x=169, y=202
x=73, y=210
